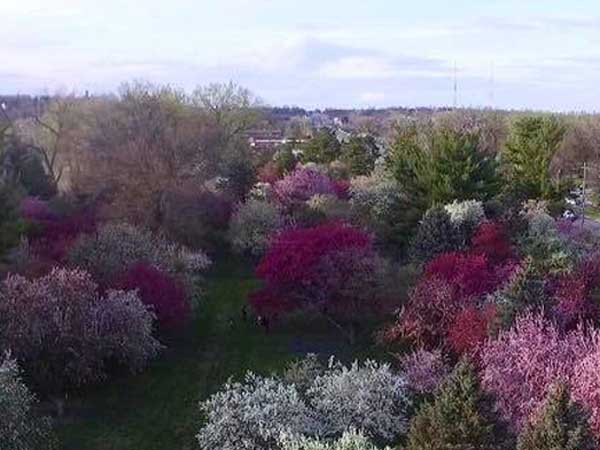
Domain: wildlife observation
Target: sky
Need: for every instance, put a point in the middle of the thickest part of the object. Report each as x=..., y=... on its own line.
x=525, y=54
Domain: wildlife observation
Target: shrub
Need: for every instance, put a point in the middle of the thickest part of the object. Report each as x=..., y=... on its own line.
x=424, y=370
x=301, y=184
x=252, y=415
x=65, y=335
x=435, y=234
x=161, y=292
x=20, y=428
x=350, y=440
x=252, y=226
x=35, y=209
x=521, y=365
x=381, y=412
x=560, y=424
x=328, y=268
x=460, y=416
x=115, y=247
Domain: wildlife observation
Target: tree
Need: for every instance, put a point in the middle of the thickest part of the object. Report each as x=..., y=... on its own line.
x=231, y=107
x=329, y=269
x=460, y=416
x=442, y=167
x=561, y=424
x=323, y=148
x=20, y=428
x=360, y=153
x=528, y=155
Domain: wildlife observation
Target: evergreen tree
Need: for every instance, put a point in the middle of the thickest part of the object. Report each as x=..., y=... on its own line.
x=560, y=425
x=359, y=153
x=323, y=148
x=531, y=146
x=459, y=417
x=443, y=167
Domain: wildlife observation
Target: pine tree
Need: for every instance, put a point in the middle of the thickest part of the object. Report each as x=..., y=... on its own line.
x=459, y=417
x=560, y=425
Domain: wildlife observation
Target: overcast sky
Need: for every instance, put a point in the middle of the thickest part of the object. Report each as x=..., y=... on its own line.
x=541, y=54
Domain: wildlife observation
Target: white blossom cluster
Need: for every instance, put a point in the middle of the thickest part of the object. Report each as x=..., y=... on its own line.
x=20, y=429
x=252, y=225
x=369, y=397
x=254, y=414
x=350, y=440
x=468, y=212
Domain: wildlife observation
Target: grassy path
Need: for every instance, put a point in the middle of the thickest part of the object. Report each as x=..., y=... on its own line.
x=157, y=410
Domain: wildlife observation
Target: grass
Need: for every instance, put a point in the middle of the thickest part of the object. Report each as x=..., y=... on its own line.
x=158, y=409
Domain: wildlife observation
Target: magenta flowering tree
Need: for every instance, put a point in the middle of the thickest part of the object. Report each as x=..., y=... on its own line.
x=330, y=269
x=64, y=334
x=302, y=184
x=160, y=291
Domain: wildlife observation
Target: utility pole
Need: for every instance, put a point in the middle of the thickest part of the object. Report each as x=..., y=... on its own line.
x=583, y=193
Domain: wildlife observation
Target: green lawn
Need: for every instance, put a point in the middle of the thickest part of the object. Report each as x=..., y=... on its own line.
x=157, y=410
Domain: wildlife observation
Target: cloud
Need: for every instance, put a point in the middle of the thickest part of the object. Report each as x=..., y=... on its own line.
x=371, y=97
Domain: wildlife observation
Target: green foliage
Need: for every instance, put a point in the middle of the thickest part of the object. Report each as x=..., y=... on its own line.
x=526, y=288
x=284, y=158
x=528, y=154
x=11, y=226
x=323, y=148
x=238, y=175
x=560, y=425
x=459, y=417
x=359, y=153
x=436, y=234
x=441, y=168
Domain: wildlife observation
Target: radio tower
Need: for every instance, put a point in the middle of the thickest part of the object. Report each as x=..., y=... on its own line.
x=492, y=80
x=455, y=103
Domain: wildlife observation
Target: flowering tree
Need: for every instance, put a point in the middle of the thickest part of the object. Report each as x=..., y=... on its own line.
x=381, y=412
x=302, y=184
x=269, y=413
x=252, y=225
x=521, y=365
x=115, y=247
x=350, y=440
x=64, y=333
x=20, y=428
x=160, y=291
x=252, y=415
x=424, y=370
x=327, y=268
